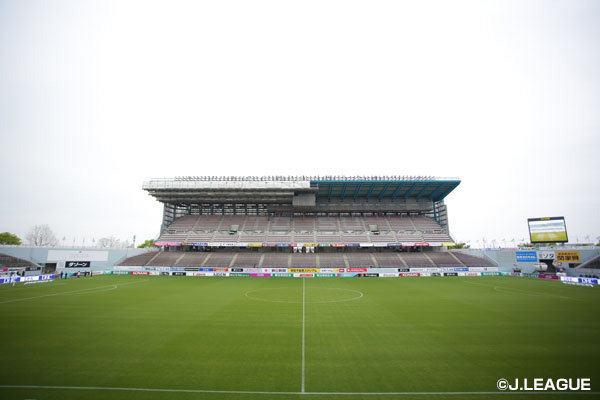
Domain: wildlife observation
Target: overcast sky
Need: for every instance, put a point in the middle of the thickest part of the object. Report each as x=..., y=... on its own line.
x=98, y=96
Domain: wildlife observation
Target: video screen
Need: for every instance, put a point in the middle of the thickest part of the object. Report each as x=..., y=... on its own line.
x=548, y=230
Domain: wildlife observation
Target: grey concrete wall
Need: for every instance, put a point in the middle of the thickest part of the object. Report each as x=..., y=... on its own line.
x=506, y=259
x=100, y=258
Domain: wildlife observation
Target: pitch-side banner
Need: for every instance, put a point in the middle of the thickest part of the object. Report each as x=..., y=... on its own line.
x=574, y=279
x=424, y=269
x=272, y=270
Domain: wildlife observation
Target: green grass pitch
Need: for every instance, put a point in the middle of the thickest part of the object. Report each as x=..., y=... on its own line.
x=240, y=336
x=549, y=237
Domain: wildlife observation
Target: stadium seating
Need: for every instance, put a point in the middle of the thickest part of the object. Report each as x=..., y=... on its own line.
x=139, y=260
x=247, y=260
x=331, y=260
x=319, y=259
x=305, y=229
x=417, y=260
x=219, y=259
x=166, y=258
x=7, y=261
x=193, y=259
x=276, y=260
x=472, y=261
x=185, y=223
x=388, y=260
x=360, y=260
x=444, y=260
x=207, y=223
x=401, y=224
x=304, y=260
x=304, y=238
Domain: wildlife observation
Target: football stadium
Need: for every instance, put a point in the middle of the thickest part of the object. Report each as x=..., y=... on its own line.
x=317, y=287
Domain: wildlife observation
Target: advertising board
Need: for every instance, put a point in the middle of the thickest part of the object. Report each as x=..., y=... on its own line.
x=568, y=256
x=526, y=256
x=301, y=270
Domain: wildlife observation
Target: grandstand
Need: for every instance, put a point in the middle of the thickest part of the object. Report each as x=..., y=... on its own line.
x=304, y=222
x=11, y=262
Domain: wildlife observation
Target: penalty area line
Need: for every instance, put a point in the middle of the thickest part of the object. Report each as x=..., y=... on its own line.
x=258, y=392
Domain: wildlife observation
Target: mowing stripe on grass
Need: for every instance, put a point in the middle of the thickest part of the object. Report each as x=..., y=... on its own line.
x=110, y=287
x=303, y=330
x=258, y=392
x=522, y=292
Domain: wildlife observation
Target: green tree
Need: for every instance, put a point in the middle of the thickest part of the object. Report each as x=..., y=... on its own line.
x=9, y=238
x=147, y=243
x=462, y=245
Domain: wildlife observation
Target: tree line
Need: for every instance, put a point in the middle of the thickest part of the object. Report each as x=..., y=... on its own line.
x=43, y=236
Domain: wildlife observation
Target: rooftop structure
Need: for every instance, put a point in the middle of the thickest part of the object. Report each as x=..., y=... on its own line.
x=302, y=195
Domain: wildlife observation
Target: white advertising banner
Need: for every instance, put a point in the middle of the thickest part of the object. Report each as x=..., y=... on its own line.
x=270, y=270
x=483, y=269
x=425, y=270
x=546, y=255
x=77, y=255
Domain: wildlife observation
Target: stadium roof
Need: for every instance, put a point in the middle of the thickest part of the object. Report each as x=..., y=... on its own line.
x=432, y=189
x=325, y=187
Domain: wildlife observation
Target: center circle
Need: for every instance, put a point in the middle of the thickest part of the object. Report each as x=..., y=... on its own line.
x=313, y=295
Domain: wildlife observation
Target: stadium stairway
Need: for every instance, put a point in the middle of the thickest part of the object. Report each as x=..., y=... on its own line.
x=179, y=259
x=433, y=264
x=457, y=259
x=152, y=259
x=235, y=256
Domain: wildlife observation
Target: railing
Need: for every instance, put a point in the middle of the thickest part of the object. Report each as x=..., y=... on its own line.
x=282, y=178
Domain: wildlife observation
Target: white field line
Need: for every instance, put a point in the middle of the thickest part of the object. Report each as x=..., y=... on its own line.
x=303, y=331
x=249, y=292
x=9, y=288
x=110, y=287
x=535, y=393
